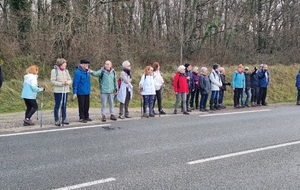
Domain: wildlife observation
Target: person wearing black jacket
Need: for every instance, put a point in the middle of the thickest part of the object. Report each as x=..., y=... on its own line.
x=247, y=88
x=254, y=87
x=223, y=88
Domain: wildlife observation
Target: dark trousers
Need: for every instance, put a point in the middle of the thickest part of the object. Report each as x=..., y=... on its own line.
x=237, y=94
x=31, y=107
x=83, y=106
x=58, y=98
x=188, y=96
x=158, y=96
x=195, y=98
x=254, y=94
x=298, y=97
x=262, y=96
x=148, y=101
x=203, y=101
x=221, y=96
x=125, y=105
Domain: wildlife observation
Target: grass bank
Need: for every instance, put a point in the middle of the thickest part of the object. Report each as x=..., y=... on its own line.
x=281, y=90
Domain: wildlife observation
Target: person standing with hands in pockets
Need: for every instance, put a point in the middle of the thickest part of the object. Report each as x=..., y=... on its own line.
x=61, y=80
x=82, y=90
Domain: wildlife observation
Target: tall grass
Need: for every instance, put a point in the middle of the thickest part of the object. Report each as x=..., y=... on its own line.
x=281, y=90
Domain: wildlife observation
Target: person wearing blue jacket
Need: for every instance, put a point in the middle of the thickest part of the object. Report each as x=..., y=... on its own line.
x=238, y=85
x=298, y=87
x=29, y=92
x=82, y=89
x=264, y=79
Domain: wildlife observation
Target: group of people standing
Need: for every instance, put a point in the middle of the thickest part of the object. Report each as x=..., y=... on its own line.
x=189, y=84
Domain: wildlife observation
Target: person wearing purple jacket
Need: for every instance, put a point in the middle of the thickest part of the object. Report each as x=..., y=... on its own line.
x=195, y=89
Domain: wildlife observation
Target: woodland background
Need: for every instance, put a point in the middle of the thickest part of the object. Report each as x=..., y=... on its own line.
x=172, y=32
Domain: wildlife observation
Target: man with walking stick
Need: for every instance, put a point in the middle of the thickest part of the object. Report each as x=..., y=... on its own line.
x=61, y=80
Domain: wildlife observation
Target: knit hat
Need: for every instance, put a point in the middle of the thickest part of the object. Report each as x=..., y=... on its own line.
x=84, y=61
x=125, y=64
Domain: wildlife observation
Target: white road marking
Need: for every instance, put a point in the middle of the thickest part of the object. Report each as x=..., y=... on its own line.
x=242, y=153
x=232, y=113
x=53, y=130
x=87, y=184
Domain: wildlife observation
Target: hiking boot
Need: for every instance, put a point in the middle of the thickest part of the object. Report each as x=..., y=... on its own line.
x=113, y=117
x=162, y=112
x=28, y=121
x=298, y=103
x=127, y=116
x=103, y=118
x=89, y=119
x=65, y=122
x=121, y=117
x=247, y=105
x=175, y=112
x=154, y=113
x=206, y=109
x=212, y=108
x=151, y=115
x=186, y=113
x=145, y=115
x=57, y=123
x=82, y=120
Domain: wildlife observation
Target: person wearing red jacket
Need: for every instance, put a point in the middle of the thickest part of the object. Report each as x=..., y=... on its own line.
x=181, y=88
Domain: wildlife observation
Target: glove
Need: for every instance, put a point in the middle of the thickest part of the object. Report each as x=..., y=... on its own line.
x=229, y=84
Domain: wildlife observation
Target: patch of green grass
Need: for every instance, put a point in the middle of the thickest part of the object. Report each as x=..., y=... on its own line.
x=281, y=90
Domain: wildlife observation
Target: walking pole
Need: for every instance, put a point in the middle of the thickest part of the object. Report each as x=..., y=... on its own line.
x=61, y=106
x=42, y=104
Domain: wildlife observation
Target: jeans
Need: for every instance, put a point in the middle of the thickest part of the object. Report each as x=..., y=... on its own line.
x=203, y=101
x=58, y=98
x=221, y=96
x=182, y=96
x=248, y=94
x=110, y=98
x=214, y=98
x=148, y=101
x=254, y=94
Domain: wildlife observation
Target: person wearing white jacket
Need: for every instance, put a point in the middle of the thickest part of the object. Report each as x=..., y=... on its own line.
x=159, y=85
x=216, y=83
x=125, y=91
x=147, y=86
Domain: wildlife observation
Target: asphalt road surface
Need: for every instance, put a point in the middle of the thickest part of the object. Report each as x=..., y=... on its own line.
x=241, y=149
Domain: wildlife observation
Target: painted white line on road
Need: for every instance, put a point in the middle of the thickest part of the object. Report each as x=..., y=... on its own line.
x=53, y=130
x=242, y=153
x=88, y=184
x=232, y=113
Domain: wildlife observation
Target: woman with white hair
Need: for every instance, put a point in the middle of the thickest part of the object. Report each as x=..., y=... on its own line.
x=181, y=88
x=204, y=88
x=125, y=90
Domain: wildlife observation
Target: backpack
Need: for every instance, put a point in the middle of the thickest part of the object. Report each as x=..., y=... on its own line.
x=119, y=80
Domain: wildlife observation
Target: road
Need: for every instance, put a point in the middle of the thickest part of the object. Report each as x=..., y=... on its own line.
x=242, y=149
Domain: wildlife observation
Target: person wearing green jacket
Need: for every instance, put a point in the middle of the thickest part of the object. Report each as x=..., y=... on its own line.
x=108, y=88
